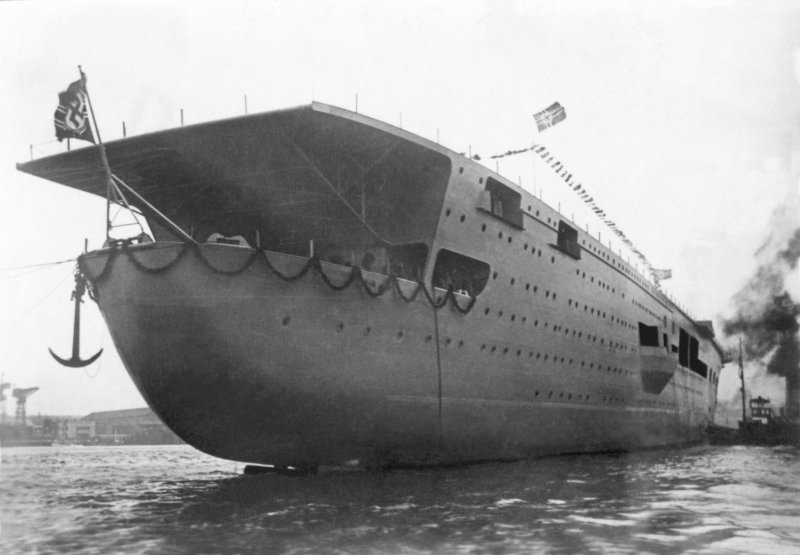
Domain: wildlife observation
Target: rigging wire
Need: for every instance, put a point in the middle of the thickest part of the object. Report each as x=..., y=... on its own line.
x=37, y=265
x=32, y=308
x=36, y=269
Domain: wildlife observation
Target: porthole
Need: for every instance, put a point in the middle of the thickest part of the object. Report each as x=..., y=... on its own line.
x=339, y=327
x=483, y=227
x=500, y=235
x=513, y=280
x=462, y=218
x=486, y=311
x=367, y=330
x=447, y=212
x=399, y=335
x=286, y=320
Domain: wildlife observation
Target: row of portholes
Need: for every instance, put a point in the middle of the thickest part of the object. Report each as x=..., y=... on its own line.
x=534, y=251
x=544, y=357
x=600, y=282
x=538, y=252
x=528, y=287
x=286, y=320
x=558, y=328
x=640, y=305
x=591, y=247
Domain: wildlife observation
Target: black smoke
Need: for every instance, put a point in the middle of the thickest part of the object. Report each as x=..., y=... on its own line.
x=766, y=316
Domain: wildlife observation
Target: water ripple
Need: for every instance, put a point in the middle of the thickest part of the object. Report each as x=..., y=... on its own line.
x=174, y=499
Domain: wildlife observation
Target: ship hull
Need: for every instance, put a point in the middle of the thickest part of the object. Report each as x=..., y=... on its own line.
x=489, y=327
x=244, y=362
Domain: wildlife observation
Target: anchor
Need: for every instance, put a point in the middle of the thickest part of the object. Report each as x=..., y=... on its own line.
x=76, y=361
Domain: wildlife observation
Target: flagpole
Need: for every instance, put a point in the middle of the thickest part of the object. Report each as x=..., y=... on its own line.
x=741, y=377
x=103, y=157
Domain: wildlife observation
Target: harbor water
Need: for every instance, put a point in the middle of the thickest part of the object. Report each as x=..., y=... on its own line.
x=173, y=499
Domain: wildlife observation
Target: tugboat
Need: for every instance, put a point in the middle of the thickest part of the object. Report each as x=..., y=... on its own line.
x=764, y=427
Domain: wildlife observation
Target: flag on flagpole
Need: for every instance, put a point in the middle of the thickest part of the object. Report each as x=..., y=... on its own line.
x=550, y=116
x=662, y=274
x=71, y=118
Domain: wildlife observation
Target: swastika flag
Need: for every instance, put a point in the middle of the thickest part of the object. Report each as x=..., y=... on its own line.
x=550, y=116
x=71, y=119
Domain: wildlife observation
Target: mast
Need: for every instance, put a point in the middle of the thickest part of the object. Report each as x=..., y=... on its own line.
x=741, y=377
x=102, y=149
x=112, y=190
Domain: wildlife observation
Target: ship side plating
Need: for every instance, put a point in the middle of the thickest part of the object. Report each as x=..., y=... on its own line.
x=390, y=301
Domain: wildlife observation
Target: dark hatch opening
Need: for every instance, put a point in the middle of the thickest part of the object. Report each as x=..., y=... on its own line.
x=567, y=240
x=505, y=203
x=466, y=275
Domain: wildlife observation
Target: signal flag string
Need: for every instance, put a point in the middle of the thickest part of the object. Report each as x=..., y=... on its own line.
x=567, y=177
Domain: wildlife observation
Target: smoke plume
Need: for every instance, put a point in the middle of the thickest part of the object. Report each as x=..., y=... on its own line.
x=766, y=316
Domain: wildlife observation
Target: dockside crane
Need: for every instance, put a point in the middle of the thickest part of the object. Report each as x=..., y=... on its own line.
x=3, y=387
x=22, y=394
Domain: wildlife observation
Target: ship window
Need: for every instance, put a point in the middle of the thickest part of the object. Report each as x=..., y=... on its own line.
x=504, y=202
x=695, y=364
x=683, y=348
x=464, y=274
x=693, y=349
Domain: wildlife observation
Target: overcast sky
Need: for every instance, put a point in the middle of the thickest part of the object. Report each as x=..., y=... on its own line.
x=681, y=118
